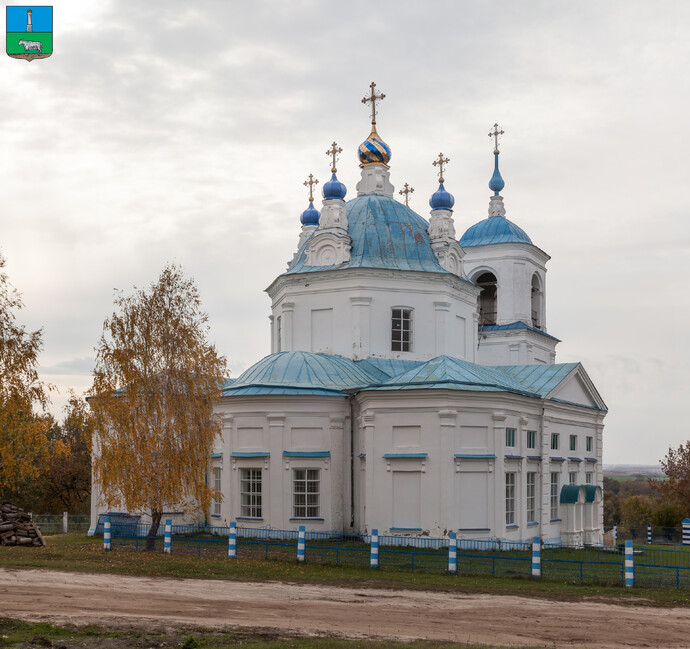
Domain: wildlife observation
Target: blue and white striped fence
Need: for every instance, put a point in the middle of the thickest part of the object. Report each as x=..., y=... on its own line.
x=686, y=531
x=374, y=551
x=629, y=565
x=106, y=534
x=536, y=557
x=167, y=541
x=615, y=533
x=301, y=550
x=453, y=553
x=232, y=541
x=649, y=533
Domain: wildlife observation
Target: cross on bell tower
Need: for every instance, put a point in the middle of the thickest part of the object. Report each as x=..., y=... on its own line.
x=494, y=134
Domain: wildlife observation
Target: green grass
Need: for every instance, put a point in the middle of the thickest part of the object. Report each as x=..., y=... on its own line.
x=13, y=38
x=77, y=552
x=14, y=633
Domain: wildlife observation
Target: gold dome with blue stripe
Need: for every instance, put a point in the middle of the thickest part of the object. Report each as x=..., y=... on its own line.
x=374, y=150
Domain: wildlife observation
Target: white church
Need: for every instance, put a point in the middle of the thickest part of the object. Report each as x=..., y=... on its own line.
x=412, y=385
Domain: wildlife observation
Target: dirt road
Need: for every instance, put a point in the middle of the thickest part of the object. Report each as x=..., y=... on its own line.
x=109, y=599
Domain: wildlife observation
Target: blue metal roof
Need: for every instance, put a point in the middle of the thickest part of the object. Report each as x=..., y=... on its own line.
x=516, y=325
x=388, y=367
x=540, y=379
x=494, y=229
x=385, y=234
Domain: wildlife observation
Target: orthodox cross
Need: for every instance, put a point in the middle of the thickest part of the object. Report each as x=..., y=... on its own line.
x=440, y=162
x=333, y=152
x=311, y=182
x=494, y=134
x=407, y=191
x=373, y=98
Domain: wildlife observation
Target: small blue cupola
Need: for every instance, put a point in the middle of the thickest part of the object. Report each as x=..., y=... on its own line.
x=334, y=189
x=311, y=215
x=441, y=199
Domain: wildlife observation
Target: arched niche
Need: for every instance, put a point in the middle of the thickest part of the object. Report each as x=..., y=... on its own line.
x=537, y=301
x=487, y=301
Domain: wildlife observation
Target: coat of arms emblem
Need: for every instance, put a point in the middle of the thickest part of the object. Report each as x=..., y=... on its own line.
x=30, y=32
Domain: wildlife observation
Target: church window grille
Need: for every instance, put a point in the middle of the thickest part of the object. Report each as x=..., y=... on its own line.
x=510, y=498
x=510, y=437
x=401, y=335
x=573, y=442
x=572, y=477
x=555, y=480
x=536, y=302
x=306, y=493
x=487, y=300
x=589, y=477
x=251, y=493
x=531, y=497
x=531, y=439
x=590, y=444
x=554, y=441
x=216, y=486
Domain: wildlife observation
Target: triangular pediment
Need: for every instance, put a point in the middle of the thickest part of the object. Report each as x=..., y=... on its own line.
x=578, y=388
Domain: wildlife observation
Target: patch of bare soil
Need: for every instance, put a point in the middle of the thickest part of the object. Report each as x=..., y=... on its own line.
x=62, y=597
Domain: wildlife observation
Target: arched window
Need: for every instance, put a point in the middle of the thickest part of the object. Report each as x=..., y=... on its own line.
x=536, y=301
x=486, y=302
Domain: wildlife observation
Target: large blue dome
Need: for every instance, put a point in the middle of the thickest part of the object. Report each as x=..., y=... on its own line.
x=494, y=229
x=385, y=234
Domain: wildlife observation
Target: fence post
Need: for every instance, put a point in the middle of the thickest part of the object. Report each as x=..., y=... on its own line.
x=649, y=533
x=536, y=556
x=374, y=551
x=106, y=534
x=65, y=522
x=686, y=531
x=301, y=550
x=167, y=541
x=232, y=541
x=629, y=567
x=453, y=553
x=615, y=533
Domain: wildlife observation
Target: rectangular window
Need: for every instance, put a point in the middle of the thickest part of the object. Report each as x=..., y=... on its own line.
x=590, y=444
x=573, y=442
x=216, y=486
x=572, y=477
x=555, y=479
x=531, y=497
x=510, y=499
x=554, y=441
x=589, y=478
x=306, y=493
x=401, y=336
x=250, y=493
x=510, y=437
x=531, y=439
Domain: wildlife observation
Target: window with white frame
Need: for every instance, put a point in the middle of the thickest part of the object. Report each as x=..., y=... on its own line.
x=531, y=496
x=555, y=482
x=554, y=441
x=250, y=493
x=590, y=443
x=531, y=439
x=306, y=493
x=589, y=477
x=510, y=498
x=401, y=330
x=510, y=437
x=216, y=486
x=572, y=477
x=573, y=442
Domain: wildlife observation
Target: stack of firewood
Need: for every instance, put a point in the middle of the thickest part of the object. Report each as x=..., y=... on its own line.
x=17, y=528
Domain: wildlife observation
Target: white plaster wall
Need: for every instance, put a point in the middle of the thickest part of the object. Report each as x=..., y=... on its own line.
x=515, y=347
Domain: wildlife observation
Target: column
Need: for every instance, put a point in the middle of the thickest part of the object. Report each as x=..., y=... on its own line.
x=287, y=326
x=442, y=309
x=499, y=435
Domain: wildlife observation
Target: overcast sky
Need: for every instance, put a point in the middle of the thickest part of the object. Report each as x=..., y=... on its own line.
x=182, y=131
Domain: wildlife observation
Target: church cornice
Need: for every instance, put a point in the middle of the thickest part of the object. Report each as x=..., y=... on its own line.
x=499, y=251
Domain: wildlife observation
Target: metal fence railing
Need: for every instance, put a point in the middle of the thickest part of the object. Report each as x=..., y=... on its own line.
x=60, y=523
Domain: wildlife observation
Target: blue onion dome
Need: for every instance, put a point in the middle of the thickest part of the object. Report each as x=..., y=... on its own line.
x=334, y=189
x=310, y=216
x=441, y=199
x=374, y=150
x=496, y=184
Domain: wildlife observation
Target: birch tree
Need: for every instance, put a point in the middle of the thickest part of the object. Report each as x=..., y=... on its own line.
x=156, y=381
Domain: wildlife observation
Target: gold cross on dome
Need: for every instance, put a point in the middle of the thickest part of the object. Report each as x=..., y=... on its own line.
x=440, y=162
x=311, y=182
x=494, y=134
x=333, y=152
x=407, y=191
x=373, y=98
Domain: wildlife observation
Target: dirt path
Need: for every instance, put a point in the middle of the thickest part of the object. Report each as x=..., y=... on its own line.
x=110, y=599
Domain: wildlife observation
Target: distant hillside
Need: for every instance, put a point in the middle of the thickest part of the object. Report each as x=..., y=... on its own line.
x=646, y=470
